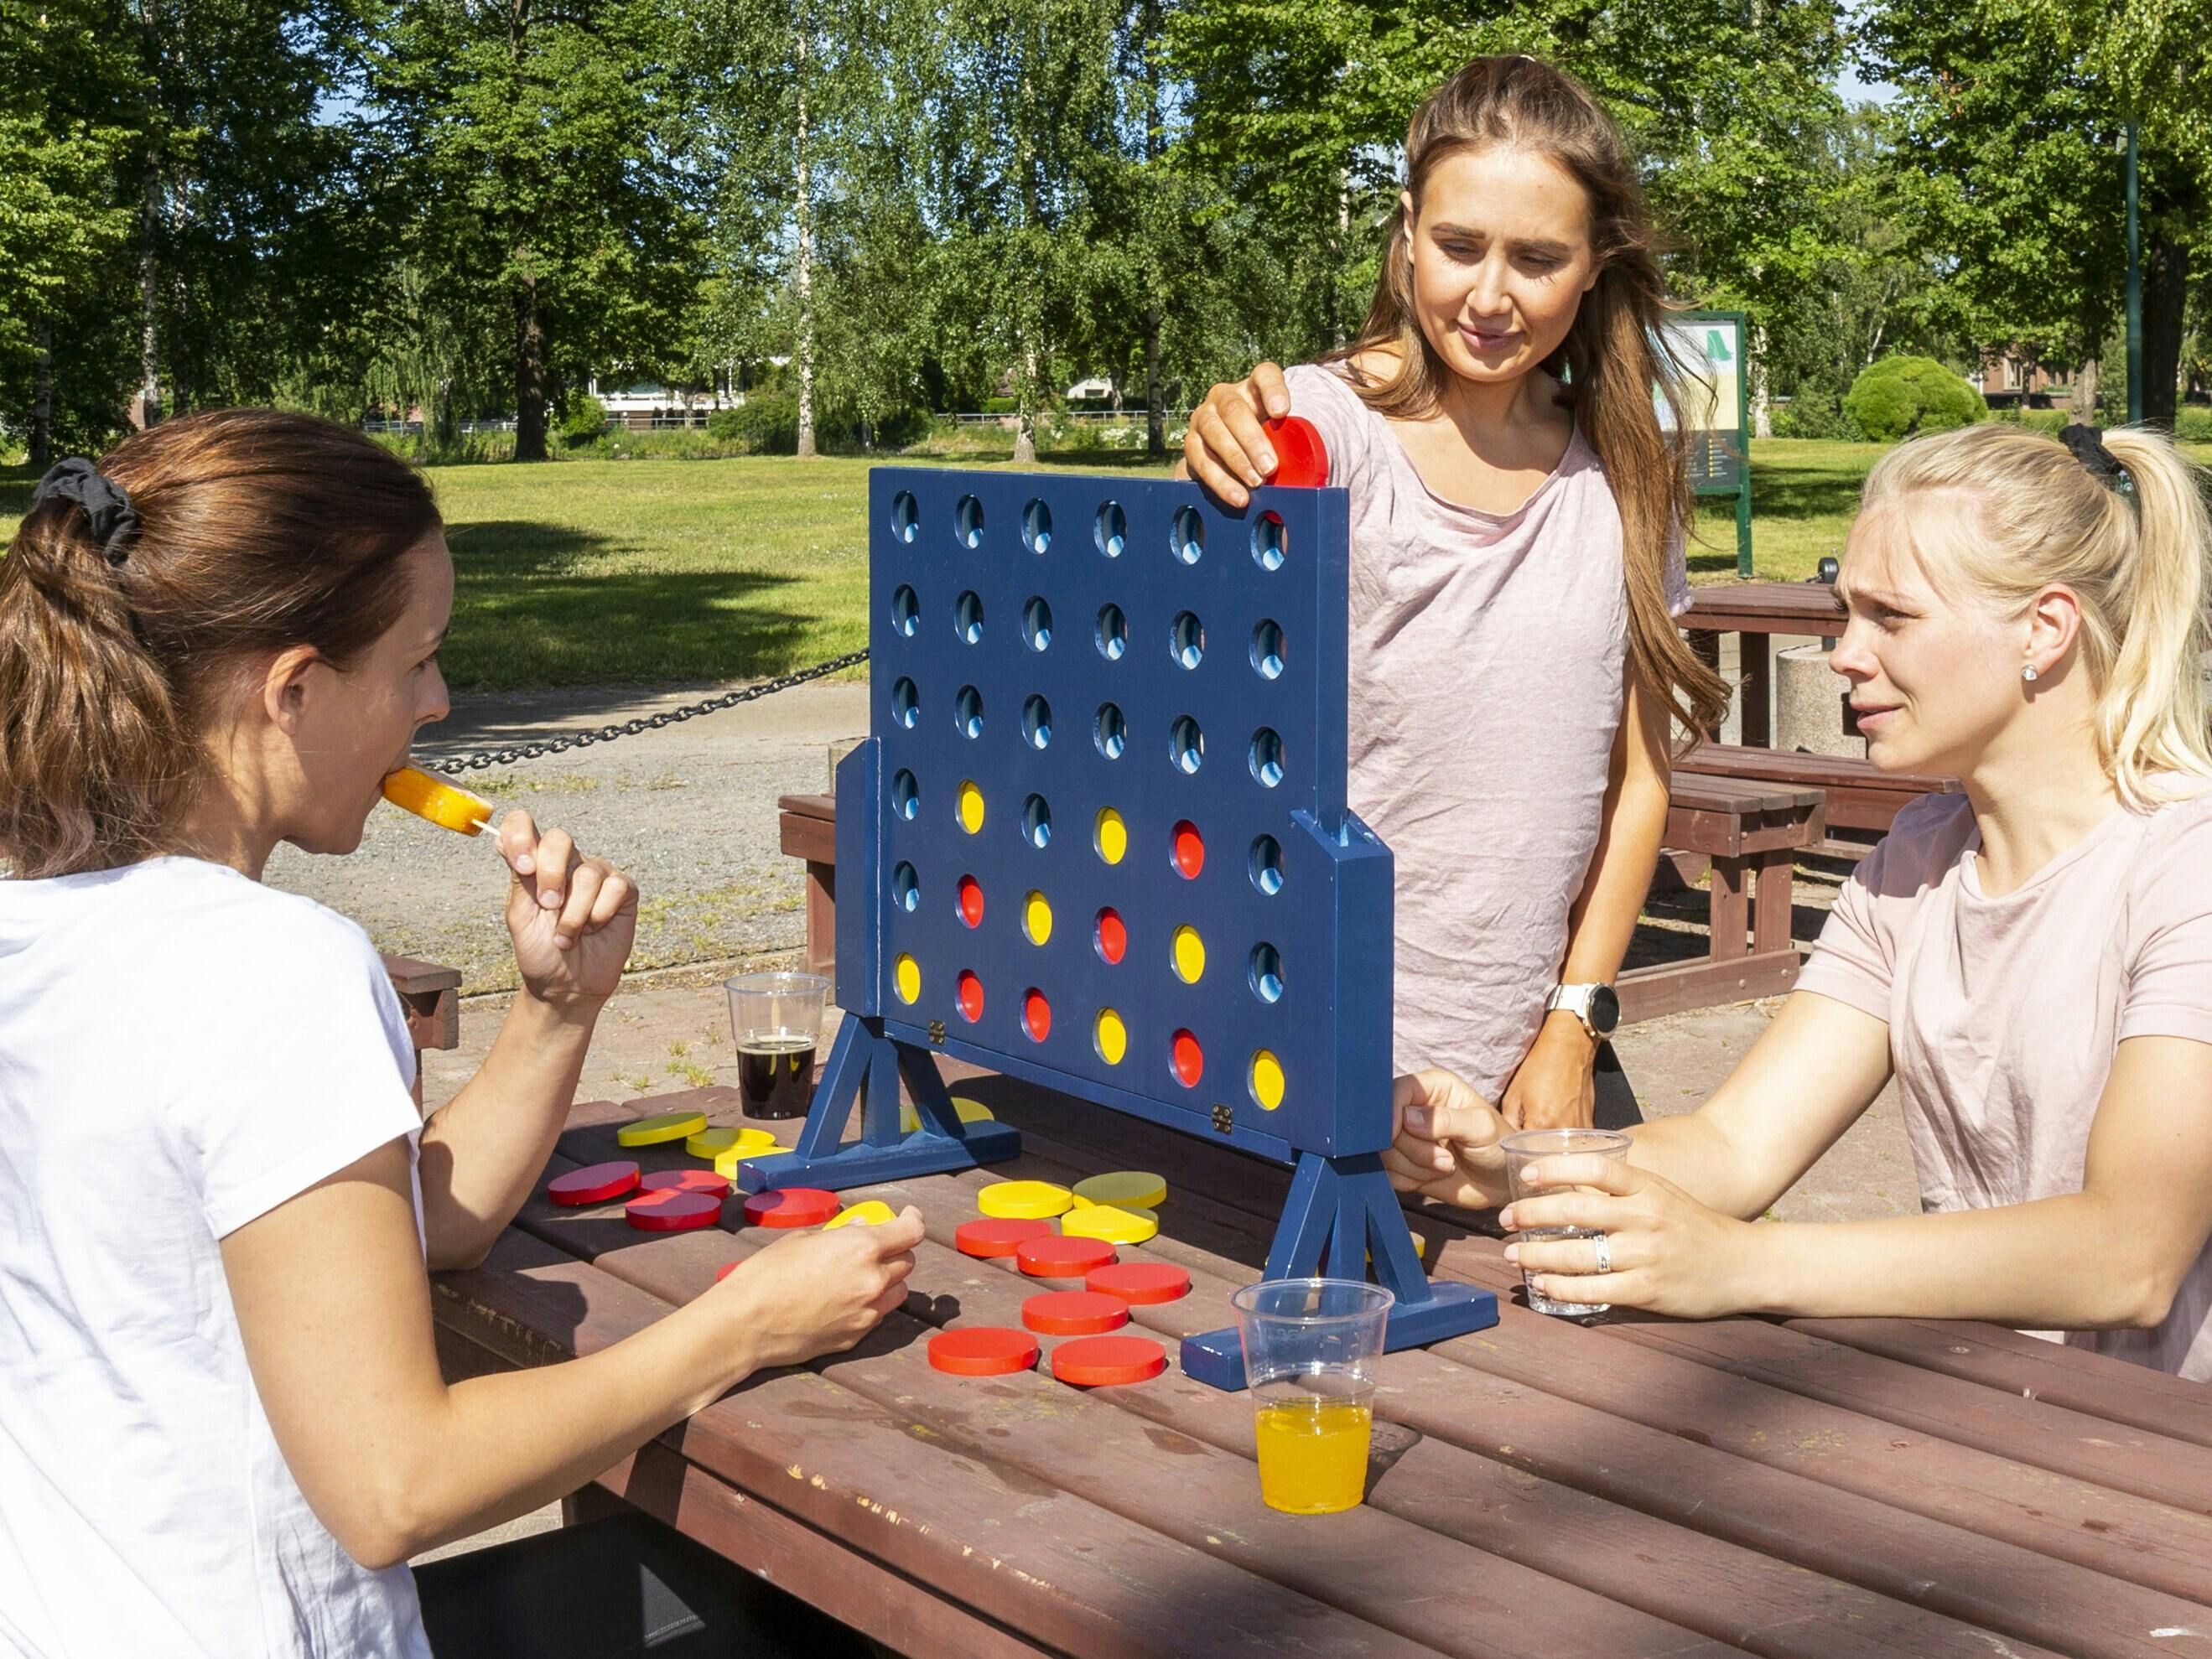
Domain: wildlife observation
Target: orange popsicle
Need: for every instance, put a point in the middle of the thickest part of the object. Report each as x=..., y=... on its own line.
x=443, y=803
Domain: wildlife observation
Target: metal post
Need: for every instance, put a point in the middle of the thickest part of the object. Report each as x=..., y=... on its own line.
x=2134, y=288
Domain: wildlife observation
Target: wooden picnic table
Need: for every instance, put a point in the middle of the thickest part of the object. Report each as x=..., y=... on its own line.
x=1755, y=611
x=1632, y=1487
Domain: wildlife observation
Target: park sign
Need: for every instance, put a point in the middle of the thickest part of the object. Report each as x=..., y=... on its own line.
x=1713, y=395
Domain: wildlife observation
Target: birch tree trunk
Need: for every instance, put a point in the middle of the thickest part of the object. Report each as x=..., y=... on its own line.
x=806, y=274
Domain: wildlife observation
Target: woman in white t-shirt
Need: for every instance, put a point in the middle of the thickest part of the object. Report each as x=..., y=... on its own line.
x=2032, y=959
x=222, y=1425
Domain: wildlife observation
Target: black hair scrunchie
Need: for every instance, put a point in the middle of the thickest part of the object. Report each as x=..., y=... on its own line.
x=105, y=505
x=2087, y=445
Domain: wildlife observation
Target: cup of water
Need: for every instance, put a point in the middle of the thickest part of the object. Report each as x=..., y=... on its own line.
x=1310, y=1350
x=1526, y=1148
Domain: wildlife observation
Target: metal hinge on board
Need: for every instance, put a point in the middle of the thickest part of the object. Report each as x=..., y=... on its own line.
x=937, y=1032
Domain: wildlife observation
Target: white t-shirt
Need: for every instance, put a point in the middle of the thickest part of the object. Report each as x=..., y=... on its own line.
x=181, y=1050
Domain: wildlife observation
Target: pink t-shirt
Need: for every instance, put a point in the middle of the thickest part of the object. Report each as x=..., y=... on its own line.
x=2004, y=1013
x=1486, y=668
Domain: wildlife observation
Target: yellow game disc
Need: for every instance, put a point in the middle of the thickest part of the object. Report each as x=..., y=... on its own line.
x=969, y=1111
x=713, y=1143
x=909, y=979
x=1036, y=918
x=972, y=807
x=413, y=790
x=1117, y=1223
x=1189, y=955
x=868, y=1212
x=652, y=1131
x=1110, y=1036
x=1267, y=1080
x=726, y=1163
x=1110, y=835
x=1125, y=1187
x=1024, y=1200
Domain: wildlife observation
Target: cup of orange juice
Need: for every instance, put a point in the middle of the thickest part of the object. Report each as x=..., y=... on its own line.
x=1310, y=1350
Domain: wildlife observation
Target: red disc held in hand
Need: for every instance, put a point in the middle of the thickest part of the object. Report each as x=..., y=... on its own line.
x=670, y=1211
x=595, y=1185
x=1096, y=1361
x=983, y=1350
x=1074, y=1313
x=1062, y=1258
x=685, y=1181
x=971, y=902
x=1140, y=1283
x=971, y=997
x=1300, y=458
x=1189, y=1059
x=791, y=1207
x=1189, y=849
x=1113, y=936
x=996, y=1235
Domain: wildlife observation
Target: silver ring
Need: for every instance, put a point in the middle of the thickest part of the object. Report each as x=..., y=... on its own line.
x=1604, y=1252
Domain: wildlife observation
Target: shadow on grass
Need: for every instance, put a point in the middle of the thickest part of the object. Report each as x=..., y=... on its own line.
x=1805, y=492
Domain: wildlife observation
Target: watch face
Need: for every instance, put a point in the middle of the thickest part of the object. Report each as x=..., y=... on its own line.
x=1604, y=1010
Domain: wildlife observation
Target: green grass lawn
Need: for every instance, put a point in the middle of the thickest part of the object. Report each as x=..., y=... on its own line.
x=590, y=572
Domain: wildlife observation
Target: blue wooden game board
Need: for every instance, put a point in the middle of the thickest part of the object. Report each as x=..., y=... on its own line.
x=1097, y=839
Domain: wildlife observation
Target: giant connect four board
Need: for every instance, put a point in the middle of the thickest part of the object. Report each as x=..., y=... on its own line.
x=1097, y=839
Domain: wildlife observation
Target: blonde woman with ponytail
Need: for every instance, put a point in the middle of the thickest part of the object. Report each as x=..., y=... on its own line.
x=1517, y=519
x=2031, y=959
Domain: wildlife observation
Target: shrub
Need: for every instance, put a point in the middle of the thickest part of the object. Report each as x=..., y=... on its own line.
x=1898, y=397
x=1814, y=412
x=1000, y=406
x=583, y=419
x=2192, y=424
x=766, y=424
x=725, y=426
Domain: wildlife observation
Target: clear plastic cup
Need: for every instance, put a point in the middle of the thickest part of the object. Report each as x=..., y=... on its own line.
x=1526, y=1148
x=1310, y=1350
x=776, y=1019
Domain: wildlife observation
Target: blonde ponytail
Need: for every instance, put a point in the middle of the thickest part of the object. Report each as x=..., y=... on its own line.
x=2138, y=558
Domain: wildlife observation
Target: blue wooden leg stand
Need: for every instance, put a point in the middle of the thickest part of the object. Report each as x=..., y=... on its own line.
x=1341, y=1212
x=866, y=1065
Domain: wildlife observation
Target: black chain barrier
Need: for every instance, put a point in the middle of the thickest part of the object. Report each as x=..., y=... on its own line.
x=488, y=758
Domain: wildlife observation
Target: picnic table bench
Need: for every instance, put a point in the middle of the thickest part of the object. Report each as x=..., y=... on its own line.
x=1634, y=1487
x=431, y=995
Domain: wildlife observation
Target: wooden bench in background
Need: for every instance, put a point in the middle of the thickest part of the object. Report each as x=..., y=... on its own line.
x=1750, y=831
x=1860, y=795
x=432, y=997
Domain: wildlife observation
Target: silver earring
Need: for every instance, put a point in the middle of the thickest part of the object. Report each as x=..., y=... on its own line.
x=2028, y=672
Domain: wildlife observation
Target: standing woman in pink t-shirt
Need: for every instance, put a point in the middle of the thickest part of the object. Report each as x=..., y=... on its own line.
x=2032, y=959
x=1517, y=519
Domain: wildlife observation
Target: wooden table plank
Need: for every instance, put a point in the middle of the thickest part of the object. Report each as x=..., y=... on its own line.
x=981, y=1532
x=1366, y=1562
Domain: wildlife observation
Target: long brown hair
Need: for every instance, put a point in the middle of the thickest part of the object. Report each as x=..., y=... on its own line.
x=1612, y=357
x=258, y=531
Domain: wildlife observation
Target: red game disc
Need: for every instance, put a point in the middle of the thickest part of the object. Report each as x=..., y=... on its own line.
x=685, y=1181
x=1074, y=1313
x=1300, y=458
x=1062, y=1258
x=982, y=1350
x=1096, y=1361
x=1113, y=936
x=726, y=1270
x=1139, y=1283
x=971, y=996
x=791, y=1207
x=595, y=1185
x=971, y=902
x=1036, y=1015
x=998, y=1234
x=1189, y=849
x=1189, y=1059
x=670, y=1211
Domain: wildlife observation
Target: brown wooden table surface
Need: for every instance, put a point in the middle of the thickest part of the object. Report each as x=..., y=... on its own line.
x=1755, y=611
x=1632, y=1487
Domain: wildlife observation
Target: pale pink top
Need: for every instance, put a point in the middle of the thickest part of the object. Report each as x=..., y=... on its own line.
x=2004, y=1013
x=1485, y=670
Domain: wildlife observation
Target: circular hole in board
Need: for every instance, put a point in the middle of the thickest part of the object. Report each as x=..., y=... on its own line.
x=1187, y=850
x=906, y=888
x=1036, y=1015
x=1036, y=624
x=1036, y=720
x=1109, y=1037
x=1187, y=540
x=1186, y=1059
x=1267, y=865
x=1109, y=732
x=1270, y=542
x=905, y=611
x=1113, y=632
x=906, y=703
x=1187, y=639
x=1110, y=836
x=906, y=517
x=971, y=997
x=1109, y=936
x=1267, y=757
x=968, y=712
x=968, y=618
x=968, y=522
x=906, y=795
x=1112, y=532
x=1036, y=821
x=1267, y=650
x=1264, y=1080
x=969, y=806
x=1266, y=973
x=1186, y=746
x=1037, y=526
x=969, y=898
